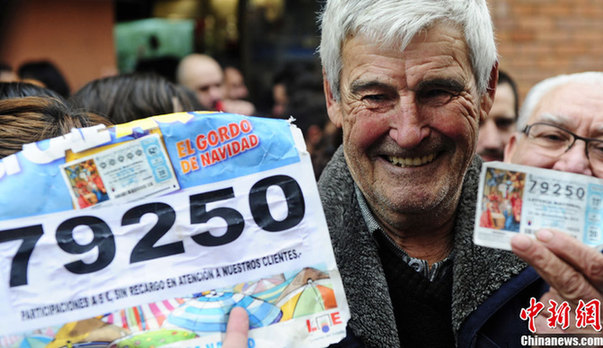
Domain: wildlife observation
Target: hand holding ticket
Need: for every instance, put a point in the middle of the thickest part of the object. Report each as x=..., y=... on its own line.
x=551, y=220
x=517, y=199
x=573, y=270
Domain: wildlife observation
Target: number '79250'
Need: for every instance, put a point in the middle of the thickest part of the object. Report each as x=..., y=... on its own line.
x=146, y=248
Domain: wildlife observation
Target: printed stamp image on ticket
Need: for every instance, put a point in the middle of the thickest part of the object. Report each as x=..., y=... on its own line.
x=129, y=171
x=502, y=196
x=85, y=183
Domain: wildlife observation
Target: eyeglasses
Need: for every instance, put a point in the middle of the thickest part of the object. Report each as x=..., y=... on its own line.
x=556, y=141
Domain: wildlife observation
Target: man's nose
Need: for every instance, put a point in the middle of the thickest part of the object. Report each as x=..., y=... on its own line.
x=574, y=160
x=407, y=127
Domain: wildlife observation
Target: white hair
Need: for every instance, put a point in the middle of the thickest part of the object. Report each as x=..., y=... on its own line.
x=393, y=23
x=542, y=88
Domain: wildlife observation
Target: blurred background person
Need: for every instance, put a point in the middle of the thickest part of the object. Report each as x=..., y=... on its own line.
x=236, y=94
x=7, y=74
x=204, y=76
x=496, y=129
x=306, y=104
x=234, y=83
x=9, y=90
x=46, y=74
x=280, y=98
x=285, y=81
x=30, y=119
x=128, y=97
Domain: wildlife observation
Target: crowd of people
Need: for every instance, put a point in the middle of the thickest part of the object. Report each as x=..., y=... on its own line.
x=409, y=102
x=199, y=83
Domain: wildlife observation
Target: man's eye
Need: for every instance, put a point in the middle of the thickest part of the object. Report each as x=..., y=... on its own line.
x=553, y=136
x=374, y=97
x=435, y=93
x=597, y=146
x=436, y=96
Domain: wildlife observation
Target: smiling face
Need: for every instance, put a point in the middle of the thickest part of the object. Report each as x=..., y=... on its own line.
x=575, y=107
x=410, y=122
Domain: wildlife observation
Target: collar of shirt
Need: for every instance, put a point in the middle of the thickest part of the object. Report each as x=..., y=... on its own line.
x=436, y=271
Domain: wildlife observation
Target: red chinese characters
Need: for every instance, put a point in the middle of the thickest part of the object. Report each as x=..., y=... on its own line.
x=559, y=314
x=531, y=312
x=587, y=314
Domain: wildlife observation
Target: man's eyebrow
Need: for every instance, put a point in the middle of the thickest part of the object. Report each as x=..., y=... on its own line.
x=566, y=122
x=360, y=86
x=557, y=119
x=448, y=84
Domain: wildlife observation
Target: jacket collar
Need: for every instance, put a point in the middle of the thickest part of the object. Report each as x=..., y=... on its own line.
x=477, y=271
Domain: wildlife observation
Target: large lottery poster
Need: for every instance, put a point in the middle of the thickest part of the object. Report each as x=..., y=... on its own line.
x=148, y=233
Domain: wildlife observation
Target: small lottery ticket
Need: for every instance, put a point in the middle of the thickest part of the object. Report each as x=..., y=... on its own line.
x=516, y=199
x=129, y=171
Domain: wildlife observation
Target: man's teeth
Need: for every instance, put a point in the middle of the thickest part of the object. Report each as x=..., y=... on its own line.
x=411, y=162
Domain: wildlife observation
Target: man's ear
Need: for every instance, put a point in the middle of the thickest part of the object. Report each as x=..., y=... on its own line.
x=488, y=97
x=333, y=106
x=511, y=147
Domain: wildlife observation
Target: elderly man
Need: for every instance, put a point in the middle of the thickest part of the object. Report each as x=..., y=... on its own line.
x=561, y=127
x=409, y=81
x=496, y=129
x=203, y=75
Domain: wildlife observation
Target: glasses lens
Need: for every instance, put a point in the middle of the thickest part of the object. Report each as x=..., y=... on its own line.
x=550, y=138
x=595, y=151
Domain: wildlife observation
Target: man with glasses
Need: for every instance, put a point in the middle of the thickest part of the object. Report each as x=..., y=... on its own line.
x=560, y=127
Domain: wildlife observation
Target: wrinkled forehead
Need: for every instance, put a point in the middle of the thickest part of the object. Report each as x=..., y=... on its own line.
x=571, y=105
x=399, y=39
x=438, y=50
x=399, y=42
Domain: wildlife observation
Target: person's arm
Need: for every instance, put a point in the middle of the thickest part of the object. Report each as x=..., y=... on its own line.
x=572, y=269
x=237, y=329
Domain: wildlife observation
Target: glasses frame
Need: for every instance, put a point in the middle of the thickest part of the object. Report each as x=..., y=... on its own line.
x=526, y=131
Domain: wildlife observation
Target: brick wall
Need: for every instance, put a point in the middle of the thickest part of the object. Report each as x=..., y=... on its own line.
x=541, y=38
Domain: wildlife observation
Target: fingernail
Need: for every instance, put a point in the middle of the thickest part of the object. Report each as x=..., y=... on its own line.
x=521, y=242
x=544, y=235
